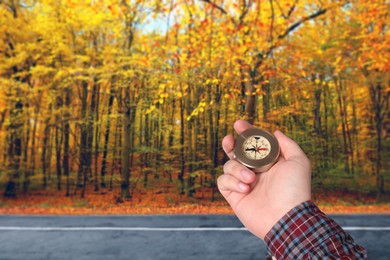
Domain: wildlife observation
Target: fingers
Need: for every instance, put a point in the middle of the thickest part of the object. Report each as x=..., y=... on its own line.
x=239, y=171
x=289, y=149
x=227, y=183
x=237, y=178
x=228, y=141
x=241, y=126
x=228, y=145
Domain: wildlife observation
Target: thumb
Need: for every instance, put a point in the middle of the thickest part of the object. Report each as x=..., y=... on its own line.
x=289, y=148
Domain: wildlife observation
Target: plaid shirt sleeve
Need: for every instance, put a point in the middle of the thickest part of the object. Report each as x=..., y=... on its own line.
x=307, y=233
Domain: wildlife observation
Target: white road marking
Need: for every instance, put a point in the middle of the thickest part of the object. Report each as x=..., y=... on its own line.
x=123, y=229
x=160, y=229
x=367, y=228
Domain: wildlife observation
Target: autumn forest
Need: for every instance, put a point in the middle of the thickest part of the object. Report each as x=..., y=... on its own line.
x=129, y=96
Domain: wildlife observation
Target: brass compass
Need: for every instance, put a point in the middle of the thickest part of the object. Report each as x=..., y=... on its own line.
x=256, y=149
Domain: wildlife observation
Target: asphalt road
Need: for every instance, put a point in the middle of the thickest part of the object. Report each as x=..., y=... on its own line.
x=158, y=237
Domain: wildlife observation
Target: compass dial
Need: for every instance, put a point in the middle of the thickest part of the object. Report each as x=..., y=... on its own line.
x=256, y=147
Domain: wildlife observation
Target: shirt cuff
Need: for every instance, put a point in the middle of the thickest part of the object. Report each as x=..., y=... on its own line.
x=302, y=230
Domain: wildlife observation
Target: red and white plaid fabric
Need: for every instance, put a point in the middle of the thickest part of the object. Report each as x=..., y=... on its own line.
x=307, y=233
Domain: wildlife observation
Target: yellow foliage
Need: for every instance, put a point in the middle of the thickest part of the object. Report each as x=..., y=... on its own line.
x=192, y=59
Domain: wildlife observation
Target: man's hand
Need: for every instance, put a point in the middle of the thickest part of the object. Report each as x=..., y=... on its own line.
x=260, y=200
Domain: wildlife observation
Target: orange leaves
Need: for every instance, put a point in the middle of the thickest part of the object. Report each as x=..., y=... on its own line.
x=164, y=201
x=209, y=6
x=176, y=25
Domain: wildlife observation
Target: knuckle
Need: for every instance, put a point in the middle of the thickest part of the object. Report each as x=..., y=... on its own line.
x=232, y=167
x=222, y=182
x=219, y=179
x=227, y=166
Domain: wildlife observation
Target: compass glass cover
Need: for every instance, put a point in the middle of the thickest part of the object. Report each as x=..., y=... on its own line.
x=256, y=147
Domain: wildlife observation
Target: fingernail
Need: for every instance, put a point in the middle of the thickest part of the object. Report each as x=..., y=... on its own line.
x=246, y=174
x=243, y=186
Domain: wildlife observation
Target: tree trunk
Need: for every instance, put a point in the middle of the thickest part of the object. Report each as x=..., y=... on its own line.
x=15, y=147
x=247, y=82
x=342, y=110
x=190, y=178
x=182, y=159
x=225, y=128
x=317, y=111
x=33, y=140
x=215, y=142
x=114, y=160
x=58, y=143
x=326, y=128
x=46, y=138
x=125, y=180
x=92, y=132
x=171, y=139
x=157, y=144
x=103, y=171
x=378, y=101
x=25, y=155
x=65, y=159
x=83, y=170
x=132, y=130
x=146, y=140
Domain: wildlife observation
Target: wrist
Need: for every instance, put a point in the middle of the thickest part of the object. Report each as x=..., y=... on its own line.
x=276, y=215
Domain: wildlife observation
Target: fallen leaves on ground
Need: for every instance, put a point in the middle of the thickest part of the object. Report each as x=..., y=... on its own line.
x=159, y=202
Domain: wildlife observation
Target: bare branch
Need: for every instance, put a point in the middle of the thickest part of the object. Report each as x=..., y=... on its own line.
x=292, y=8
x=221, y=10
x=281, y=10
x=243, y=4
x=301, y=21
x=216, y=6
x=245, y=10
x=262, y=55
